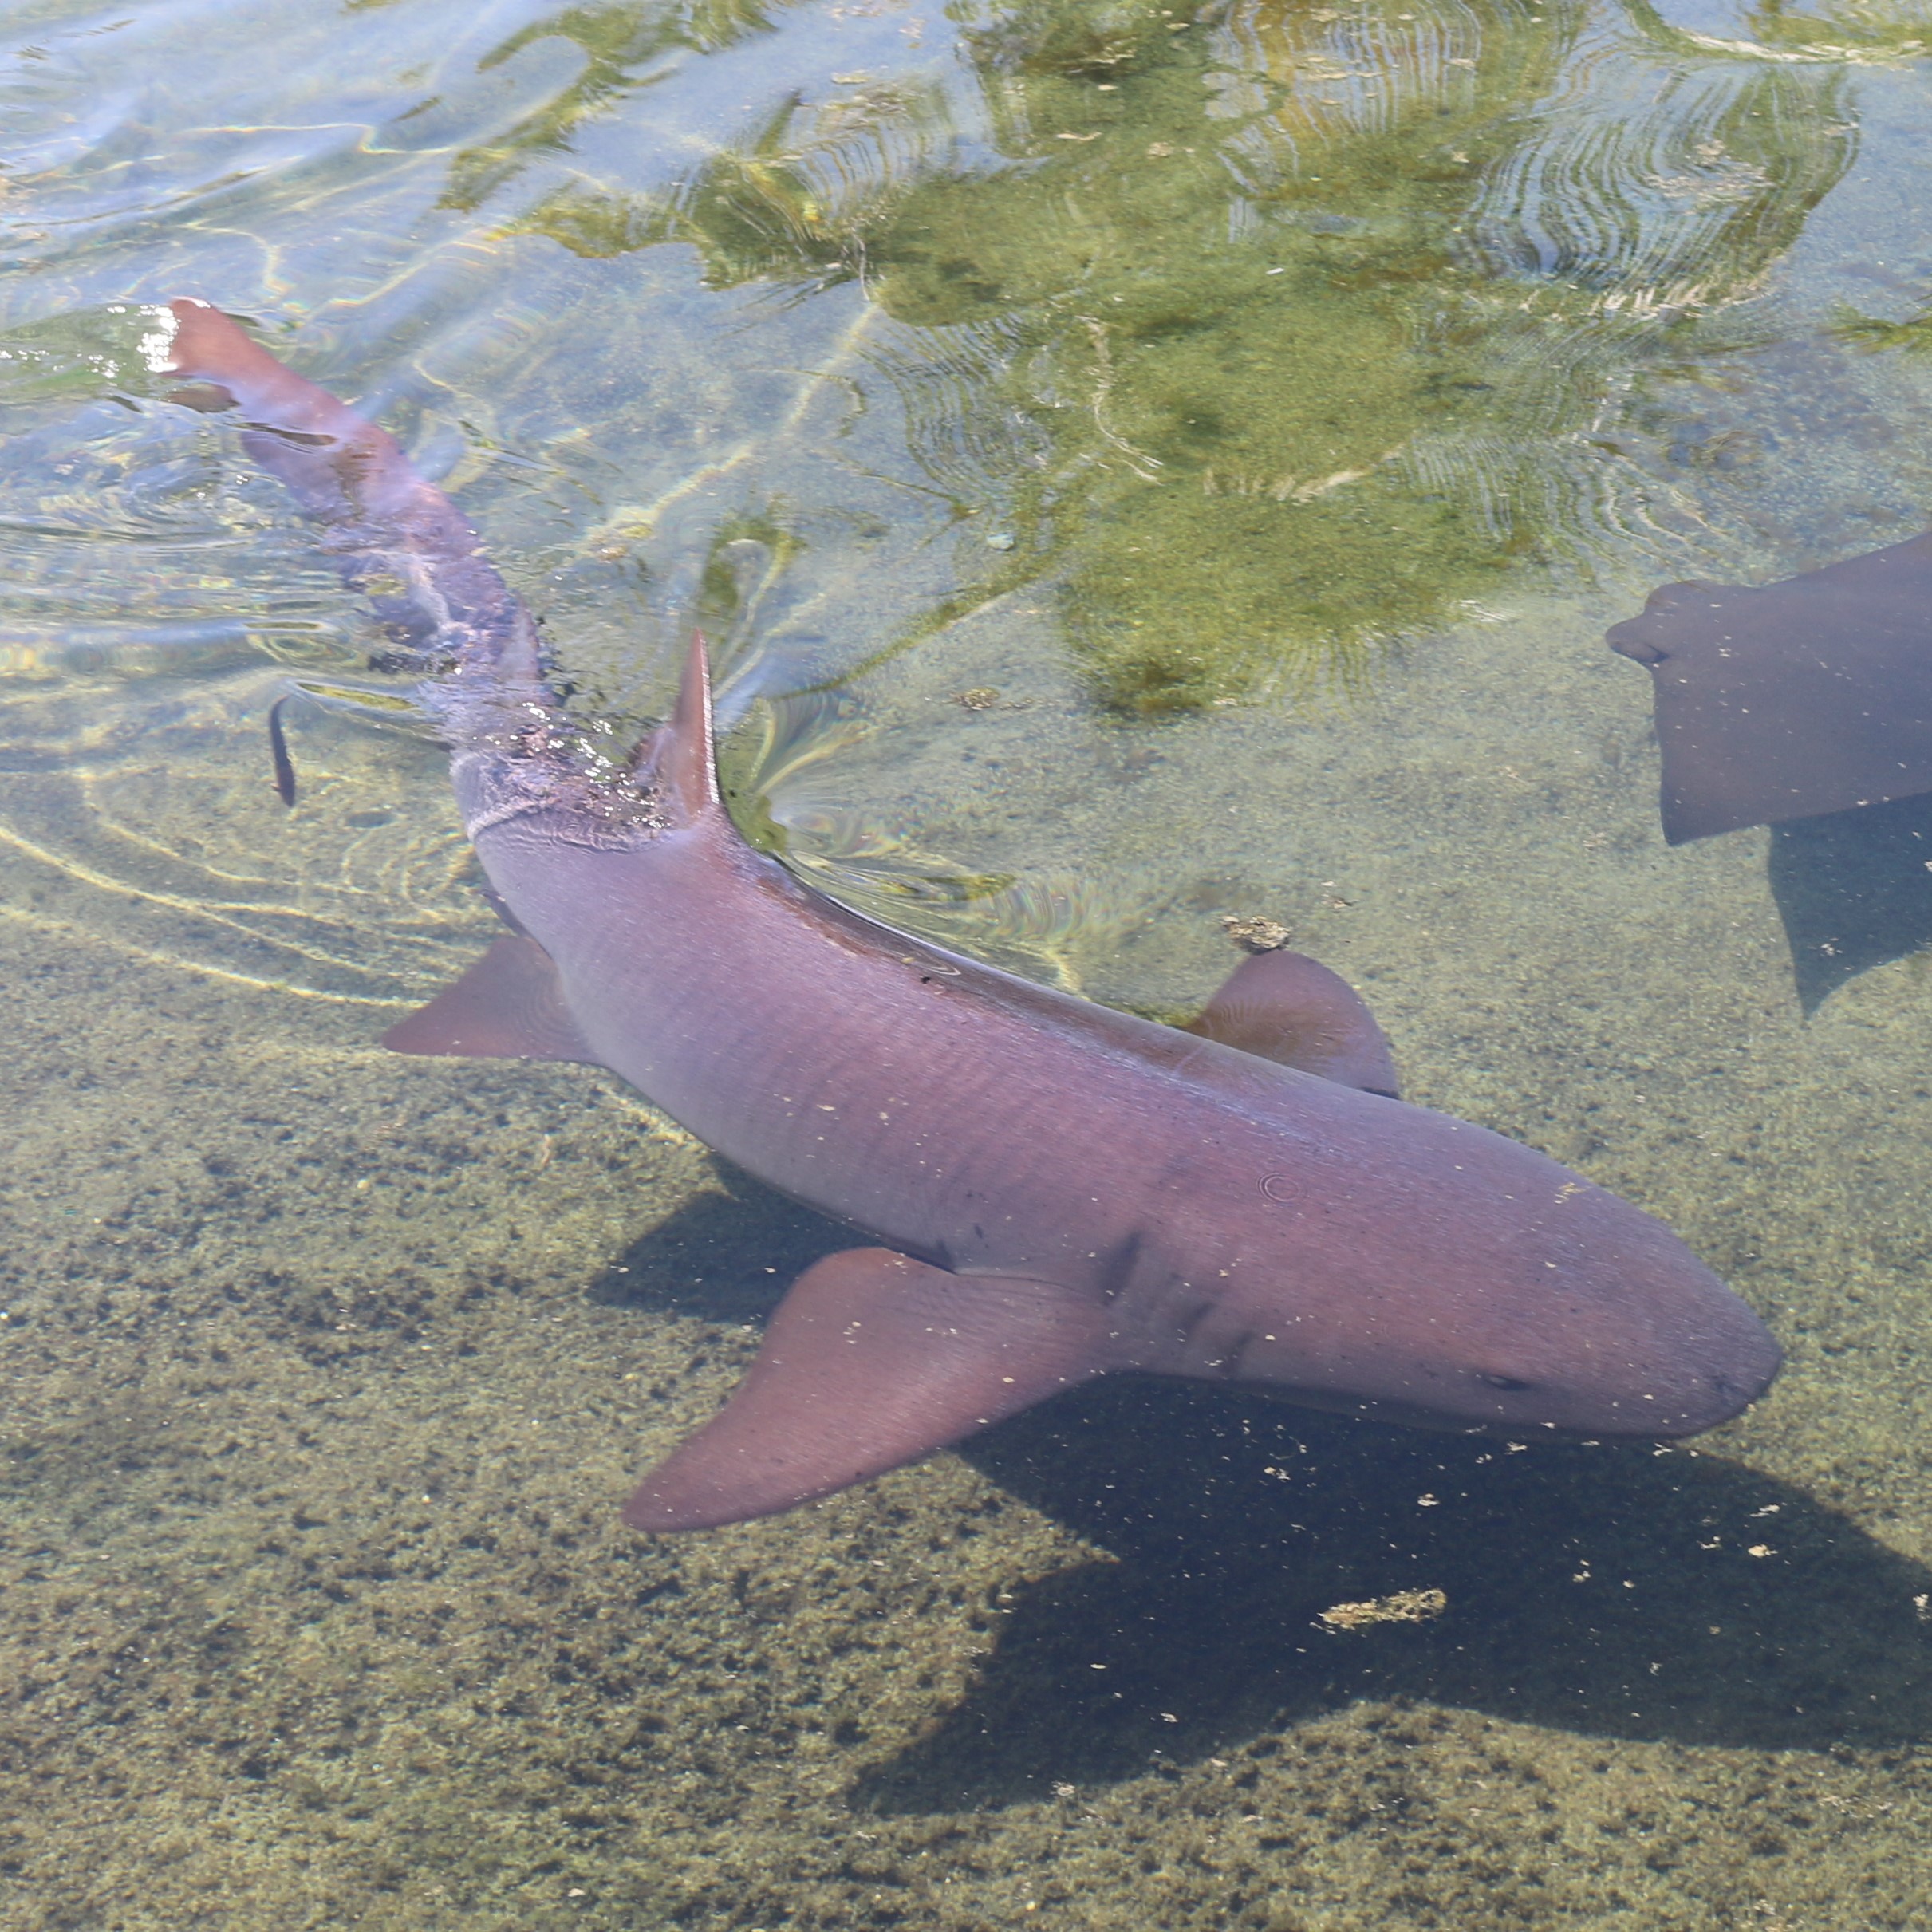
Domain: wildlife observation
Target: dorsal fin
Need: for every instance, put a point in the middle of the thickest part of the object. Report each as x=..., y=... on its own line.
x=679, y=754
x=1286, y=1007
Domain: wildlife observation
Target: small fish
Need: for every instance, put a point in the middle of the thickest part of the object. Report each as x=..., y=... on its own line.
x=1050, y=1190
x=279, y=752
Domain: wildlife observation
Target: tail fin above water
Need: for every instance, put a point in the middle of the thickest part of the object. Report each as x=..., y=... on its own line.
x=453, y=606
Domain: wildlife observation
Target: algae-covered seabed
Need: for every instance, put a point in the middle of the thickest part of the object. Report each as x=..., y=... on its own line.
x=326, y=1370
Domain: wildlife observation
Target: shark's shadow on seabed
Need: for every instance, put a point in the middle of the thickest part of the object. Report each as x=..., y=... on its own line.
x=1618, y=1592
x=1853, y=889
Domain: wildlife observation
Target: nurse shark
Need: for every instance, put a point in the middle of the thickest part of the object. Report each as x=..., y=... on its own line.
x=1049, y=1190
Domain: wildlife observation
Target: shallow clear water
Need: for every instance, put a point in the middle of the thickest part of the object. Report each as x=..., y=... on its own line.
x=1143, y=466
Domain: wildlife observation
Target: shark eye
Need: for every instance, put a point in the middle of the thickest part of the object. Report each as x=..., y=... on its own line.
x=1504, y=1382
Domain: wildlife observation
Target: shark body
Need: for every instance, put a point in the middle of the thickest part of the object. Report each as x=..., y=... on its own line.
x=1052, y=1190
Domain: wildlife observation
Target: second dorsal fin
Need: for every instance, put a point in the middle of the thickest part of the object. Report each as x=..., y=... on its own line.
x=679, y=755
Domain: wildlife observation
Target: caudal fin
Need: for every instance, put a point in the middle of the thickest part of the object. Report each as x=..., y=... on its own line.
x=394, y=527
x=204, y=345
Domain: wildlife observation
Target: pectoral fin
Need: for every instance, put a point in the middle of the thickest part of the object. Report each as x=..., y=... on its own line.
x=1286, y=1007
x=507, y=1006
x=873, y=1360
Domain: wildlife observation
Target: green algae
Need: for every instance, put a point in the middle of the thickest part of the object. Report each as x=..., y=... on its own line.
x=1913, y=334
x=1240, y=308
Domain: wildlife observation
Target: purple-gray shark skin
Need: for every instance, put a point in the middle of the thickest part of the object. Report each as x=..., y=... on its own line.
x=1051, y=1190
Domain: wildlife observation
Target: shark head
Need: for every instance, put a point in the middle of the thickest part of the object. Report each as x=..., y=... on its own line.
x=1584, y=1316
x=1505, y=1293
x=1652, y=1344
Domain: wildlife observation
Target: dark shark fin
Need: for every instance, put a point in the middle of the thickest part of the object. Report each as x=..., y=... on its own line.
x=679, y=756
x=873, y=1360
x=1791, y=700
x=1286, y=1007
x=507, y=1006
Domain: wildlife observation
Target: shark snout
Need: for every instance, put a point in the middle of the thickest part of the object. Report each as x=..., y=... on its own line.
x=1654, y=1344
x=1707, y=1376
x=1627, y=1398
x=1660, y=1351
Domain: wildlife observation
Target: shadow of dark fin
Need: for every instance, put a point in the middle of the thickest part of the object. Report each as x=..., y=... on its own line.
x=1855, y=891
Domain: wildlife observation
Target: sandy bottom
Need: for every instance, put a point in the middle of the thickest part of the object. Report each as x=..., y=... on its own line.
x=326, y=1372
